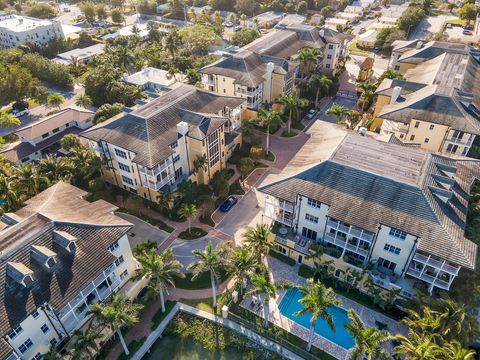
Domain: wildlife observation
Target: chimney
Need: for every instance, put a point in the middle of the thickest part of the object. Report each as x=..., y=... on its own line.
x=65, y=240
x=321, y=33
x=397, y=90
x=182, y=128
x=44, y=256
x=419, y=44
x=20, y=273
x=267, y=93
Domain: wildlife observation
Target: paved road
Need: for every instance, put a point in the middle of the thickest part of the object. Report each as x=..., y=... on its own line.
x=68, y=17
x=142, y=231
x=183, y=248
x=429, y=25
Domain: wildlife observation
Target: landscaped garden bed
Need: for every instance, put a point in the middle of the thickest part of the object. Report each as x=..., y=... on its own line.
x=192, y=234
x=202, y=281
x=152, y=221
x=281, y=257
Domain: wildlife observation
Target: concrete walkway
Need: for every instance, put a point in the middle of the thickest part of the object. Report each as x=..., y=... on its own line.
x=268, y=344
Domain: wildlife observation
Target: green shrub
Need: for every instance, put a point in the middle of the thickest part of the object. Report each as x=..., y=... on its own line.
x=282, y=257
x=305, y=271
x=202, y=281
x=194, y=233
x=159, y=315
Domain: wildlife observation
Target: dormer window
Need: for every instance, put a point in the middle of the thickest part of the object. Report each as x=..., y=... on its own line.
x=65, y=240
x=20, y=273
x=27, y=280
x=43, y=255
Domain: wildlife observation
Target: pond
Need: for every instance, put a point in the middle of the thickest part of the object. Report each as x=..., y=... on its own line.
x=175, y=347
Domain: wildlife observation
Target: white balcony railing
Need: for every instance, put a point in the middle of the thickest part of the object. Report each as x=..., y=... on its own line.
x=437, y=264
x=351, y=230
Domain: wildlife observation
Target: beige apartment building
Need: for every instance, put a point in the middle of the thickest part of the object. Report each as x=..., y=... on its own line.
x=435, y=106
x=153, y=148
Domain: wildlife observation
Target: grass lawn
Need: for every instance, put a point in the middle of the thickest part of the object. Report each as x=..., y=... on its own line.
x=356, y=50
x=133, y=347
x=201, y=304
x=298, y=126
x=155, y=222
x=202, y=281
x=236, y=188
x=159, y=315
x=207, y=220
x=288, y=134
x=456, y=22
x=194, y=233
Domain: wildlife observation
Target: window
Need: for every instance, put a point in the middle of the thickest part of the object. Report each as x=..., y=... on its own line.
x=53, y=342
x=452, y=148
x=213, y=148
x=123, y=275
x=174, y=145
x=399, y=234
x=121, y=154
x=176, y=158
x=311, y=218
x=329, y=57
x=114, y=246
x=417, y=124
x=35, y=314
x=14, y=332
x=309, y=234
x=127, y=180
x=337, y=273
x=25, y=346
x=412, y=137
x=396, y=68
x=124, y=167
x=178, y=173
x=314, y=203
x=330, y=47
x=426, y=140
x=45, y=328
x=119, y=261
x=327, y=66
x=387, y=264
x=431, y=127
x=55, y=130
x=393, y=249
x=37, y=356
x=45, y=136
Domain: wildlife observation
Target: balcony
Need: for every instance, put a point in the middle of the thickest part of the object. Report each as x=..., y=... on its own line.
x=158, y=169
x=334, y=239
x=455, y=140
x=160, y=184
x=296, y=242
x=437, y=264
x=351, y=230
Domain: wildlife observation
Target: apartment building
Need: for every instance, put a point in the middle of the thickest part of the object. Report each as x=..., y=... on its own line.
x=435, y=106
x=336, y=48
x=60, y=254
x=16, y=30
x=264, y=69
x=153, y=148
x=43, y=137
x=403, y=211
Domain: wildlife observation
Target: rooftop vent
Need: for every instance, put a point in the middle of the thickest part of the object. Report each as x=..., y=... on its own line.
x=397, y=90
x=182, y=128
x=321, y=33
x=419, y=44
x=20, y=273
x=46, y=257
x=65, y=240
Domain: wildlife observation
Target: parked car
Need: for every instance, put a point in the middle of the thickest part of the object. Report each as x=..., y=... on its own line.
x=20, y=112
x=468, y=27
x=311, y=114
x=449, y=26
x=66, y=9
x=20, y=108
x=237, y=28
x=229, y=203
x=466, y=32
x=227, y=24
x=264, y=31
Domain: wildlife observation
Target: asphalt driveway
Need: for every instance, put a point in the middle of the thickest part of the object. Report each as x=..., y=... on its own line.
x=183, y=248
x=142, y=231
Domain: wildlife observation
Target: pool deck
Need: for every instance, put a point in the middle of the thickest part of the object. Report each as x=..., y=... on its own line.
x=282, y=271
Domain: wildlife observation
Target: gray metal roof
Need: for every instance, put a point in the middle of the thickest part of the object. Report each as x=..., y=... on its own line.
x=368, y=183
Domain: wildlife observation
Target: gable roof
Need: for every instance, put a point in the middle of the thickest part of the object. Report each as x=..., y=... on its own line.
x=150, y=130
x=431, y=50
x=368, y=183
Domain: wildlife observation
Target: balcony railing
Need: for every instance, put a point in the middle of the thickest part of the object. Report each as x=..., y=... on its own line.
x=333, y=239
x=437, y=264
x=158, y=169
x=459, y=141
x=419, y=275
x=351, y=230
x=159, y=184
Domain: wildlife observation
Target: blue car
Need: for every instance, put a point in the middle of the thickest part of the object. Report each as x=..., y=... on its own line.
x=228, y=204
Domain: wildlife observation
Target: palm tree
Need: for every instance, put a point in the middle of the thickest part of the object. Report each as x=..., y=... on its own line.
x=291, y=104
x=457, y=323
x=243, y=18
x=263, y=286
x=84, y=101
x=451, y=6
x=200, y=162
x=242, y=264
x=85, y=345
x=269, y=118
x=322, y=84
x=211, y=260
x=118, y=313
x=172, y=43
x=55, y=100
x=86, y=163
x=308, y=60
x=53, y=354
x=316, y=300
x=455, y=351
x=55, y=169
x=124, y=57
x=28, y=180
x=9, y=194
x=76, y=67
x=389, y=74
x=160, y=270
x=188, y=211
x=427, y=321
x=368, y=341
x=417, y=347
x=257, y=239
x=9, y=120
x=339, y=111
x=368, y=93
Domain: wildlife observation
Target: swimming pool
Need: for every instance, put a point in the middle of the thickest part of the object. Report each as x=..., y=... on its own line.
x=340, y=336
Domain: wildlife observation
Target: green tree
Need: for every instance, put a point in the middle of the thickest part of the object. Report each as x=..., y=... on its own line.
x=468, y=12
x=70, y=141
x=101, y=11
x=176, y=8
x=9, y=120
x=322, y=85
x=340, y=112
x=85, y=346
x=368, y=93
x=245, y=166
x=245, y=36
x=389, y=74
x=451, y=6
x=211, y=260
x=267, y=289
x=55, y=100
x=160, y=270
x=410, y=18
x=242, y=264
x=117, y=3
x=16, y=82
x=302, y=7
x=188, y=212
x=368, y=341
x=197, y=38
x=246, y=7
x=83, y=101
x=308, y=60
x=29, y=181
x=107, y=111
x=118, y=313
x=117, y=16
x=86, y=163
x=88, y=10
x=417, y=347
x=257, y=239
x=57, y=75
x=291, y=105
x=42, y=11
x=9, y=194
x=173, y=42
x=268, y=119
x=55, y=169
x=145, y=248
x=316, y=300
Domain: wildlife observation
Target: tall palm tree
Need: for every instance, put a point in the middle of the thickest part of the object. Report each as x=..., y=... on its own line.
x=188, y=212
x=115, y=315
x=172, y=43
x=85, y=345
x=9, y=120
x=84, y=101
x=267, y=289
x=368, y=93
x=52, y=354
x=339, y=111
x=211, y=260
x=86, y=163
x=322, y=84
x=427, y=321
x=418, y=347
x=55, y=169
x=316, y=300
x=55, y=100
x=124, y=57
x=308, y=60
x=257, y=239
x=292, y=103
x=9, y=194
x=28, y=180
x=160, y=270
x=243, y=18
x=457, y=323
x=368, y=341
x=242, y=264
x=268, y=119
x=455, y=351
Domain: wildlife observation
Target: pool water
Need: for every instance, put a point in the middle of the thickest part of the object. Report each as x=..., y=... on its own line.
x=340, y=336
